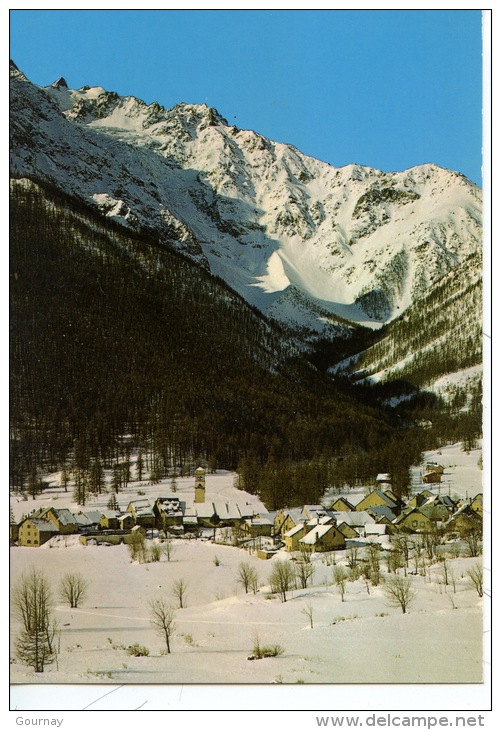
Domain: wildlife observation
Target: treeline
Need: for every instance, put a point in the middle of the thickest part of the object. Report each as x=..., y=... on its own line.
x=120, y=345
x=441, y=333
x=282, y=482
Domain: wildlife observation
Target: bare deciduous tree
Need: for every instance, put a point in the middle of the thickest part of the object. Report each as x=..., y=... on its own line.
x=403, y=544
x=179, y=591
x=304, y=570
x=340, y=577
x=476, y=576
x=472, y=538
x=137, y=546
x=445, y=571
x=73, y=588
x=373, y=551
x=162, y=620
x=282, y=579
x=308, y=611
x=352, y=557
x=399, y=592
x=32, y=604
x=247, y=577
x=168, y=548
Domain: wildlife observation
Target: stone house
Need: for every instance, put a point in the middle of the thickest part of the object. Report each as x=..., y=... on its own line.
x=35, y=531
x=323, y=538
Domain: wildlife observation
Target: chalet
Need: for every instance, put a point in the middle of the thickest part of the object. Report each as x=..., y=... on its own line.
x=477, y=504
x=169, y=512
x=342, y=505
x=438, y=508
x=294, y=535
x=391, y=494
x=257, y=526
x=286, y=519
x=142, y=512
x=349, y=532
x=323, y=538
x=35, y=531
x=311, y=510
x=419, y=499
x=322, y=519
x=376, y=530
x=465, y=518
x=218, y=513
x=126, y=521
x=84, y=522
x=356, y=520
x=432, y=477
x=13, y=532
x=94, y=515
x=62, y=519
x=382, y=514
x=414, y=520
x=376, y=498
x=433, y=466
x=109, y=519
x=383, y=479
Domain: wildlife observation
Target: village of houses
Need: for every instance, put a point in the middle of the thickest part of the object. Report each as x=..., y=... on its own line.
x=214, y=528
x=313, y=528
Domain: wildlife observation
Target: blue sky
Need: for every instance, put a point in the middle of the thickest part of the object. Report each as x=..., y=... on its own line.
x=388, y=88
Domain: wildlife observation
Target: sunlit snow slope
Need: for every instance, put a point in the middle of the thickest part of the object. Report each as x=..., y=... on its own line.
x=305, y=242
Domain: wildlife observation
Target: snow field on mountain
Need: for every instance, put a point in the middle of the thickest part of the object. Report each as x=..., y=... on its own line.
x=264, y=216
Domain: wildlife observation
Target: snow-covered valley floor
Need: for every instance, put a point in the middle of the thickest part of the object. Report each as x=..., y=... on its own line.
x=359, y=640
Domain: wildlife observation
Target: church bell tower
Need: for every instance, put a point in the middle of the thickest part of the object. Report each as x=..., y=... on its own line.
x=200, y=485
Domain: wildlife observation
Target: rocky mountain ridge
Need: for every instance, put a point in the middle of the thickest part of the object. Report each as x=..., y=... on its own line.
x=311, y=245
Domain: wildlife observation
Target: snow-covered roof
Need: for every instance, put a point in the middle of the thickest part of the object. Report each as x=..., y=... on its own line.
x=312, y=509
x=222, y=508
x=110, y=513
x=43, y=525
x=383, y=477
x=170, y=505
x=64, y=516
x=375, y=529
x=294, y=530
x=295, y=513
x=321, y=519
x=94, y=515
x=258, y=520
x=355, y=519
x=82, y=519
x=345, y=501
x=389, y=501
x=382, y=510
x=314, y=535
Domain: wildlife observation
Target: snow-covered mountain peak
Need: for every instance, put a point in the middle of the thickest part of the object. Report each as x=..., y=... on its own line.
x=15, y=73
x=300, y=239
x=60, y=83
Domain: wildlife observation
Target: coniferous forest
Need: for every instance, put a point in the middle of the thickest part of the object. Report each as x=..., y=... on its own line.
x=120, y=346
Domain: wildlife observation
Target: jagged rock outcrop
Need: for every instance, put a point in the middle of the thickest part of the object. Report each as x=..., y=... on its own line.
x=307, y=243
